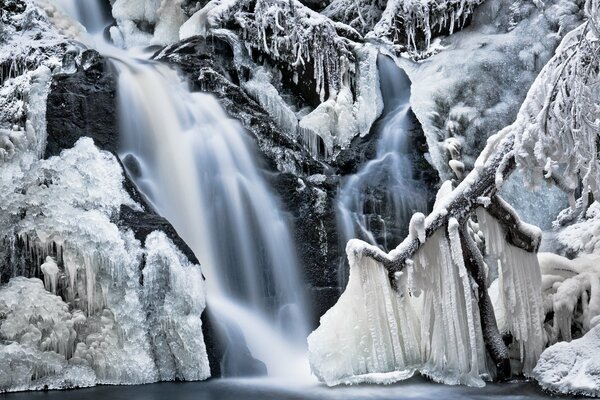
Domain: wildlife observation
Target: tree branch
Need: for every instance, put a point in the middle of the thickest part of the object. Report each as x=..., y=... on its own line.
x=460, y=204
x=517, y=232
x=491, y=335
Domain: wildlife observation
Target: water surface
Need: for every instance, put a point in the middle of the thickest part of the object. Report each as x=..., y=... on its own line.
x=266, y=389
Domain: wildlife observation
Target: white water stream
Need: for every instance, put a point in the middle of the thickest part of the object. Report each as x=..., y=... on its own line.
x=384, y=193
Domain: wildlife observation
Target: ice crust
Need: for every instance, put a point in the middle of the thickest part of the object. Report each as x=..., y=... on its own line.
x=67, y=203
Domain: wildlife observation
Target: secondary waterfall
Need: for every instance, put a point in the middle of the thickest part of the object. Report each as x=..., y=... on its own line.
x=198, y=169
x=93, y=16
x=377, y=202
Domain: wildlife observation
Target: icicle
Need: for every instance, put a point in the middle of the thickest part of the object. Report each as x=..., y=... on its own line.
x=520, y=295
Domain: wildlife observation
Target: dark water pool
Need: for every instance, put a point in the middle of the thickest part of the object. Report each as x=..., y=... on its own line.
x=255, y=389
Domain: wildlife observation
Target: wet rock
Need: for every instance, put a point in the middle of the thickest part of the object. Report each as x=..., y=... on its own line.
x=83, y=104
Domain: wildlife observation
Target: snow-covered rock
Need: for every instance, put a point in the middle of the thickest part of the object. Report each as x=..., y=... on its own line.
x=572, y=367
x=571, y=290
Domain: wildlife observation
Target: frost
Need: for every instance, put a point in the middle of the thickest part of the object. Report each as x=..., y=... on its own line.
x=572, y=368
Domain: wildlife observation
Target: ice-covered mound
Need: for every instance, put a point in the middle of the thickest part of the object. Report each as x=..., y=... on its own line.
x=571, y=291
x=59, y=214
x=572, y=368
x=38, y=333
x=174, y=297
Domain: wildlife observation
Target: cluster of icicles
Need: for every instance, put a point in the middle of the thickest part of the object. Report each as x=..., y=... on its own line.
x=431, y=324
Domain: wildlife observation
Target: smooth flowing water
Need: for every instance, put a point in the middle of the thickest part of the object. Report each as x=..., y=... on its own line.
x=376, y=203
x=92, y=14
x=198, y=168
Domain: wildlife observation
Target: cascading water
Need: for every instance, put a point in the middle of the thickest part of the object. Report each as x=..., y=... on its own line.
x=196, y=166
x=93, y=15
x=381, y=197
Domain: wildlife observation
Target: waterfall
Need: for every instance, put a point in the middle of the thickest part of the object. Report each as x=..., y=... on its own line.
x=198, y=168
x=376, y=203
x=94, y=16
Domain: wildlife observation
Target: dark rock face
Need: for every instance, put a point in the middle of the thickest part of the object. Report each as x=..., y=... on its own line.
x=83, y=104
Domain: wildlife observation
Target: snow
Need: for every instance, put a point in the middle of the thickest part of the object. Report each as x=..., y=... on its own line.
x=572, y=368
x=146, y=22
x=474, y=87
x=582, y=235
x=431, y=324
x=571, y=290
x=417, y=227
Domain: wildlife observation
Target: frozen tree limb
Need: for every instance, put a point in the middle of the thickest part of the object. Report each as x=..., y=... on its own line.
x=459, y=205
x=517, y=233
x=491, y=335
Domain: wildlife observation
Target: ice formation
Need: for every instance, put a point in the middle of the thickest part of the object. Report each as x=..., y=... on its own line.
x=431, y=324
x=520, y=299
x=417, y=18
x=572, y=368
x=297, y=41
x=174, y=296
x=571, y=290
x=89, y=321
x=62, y=207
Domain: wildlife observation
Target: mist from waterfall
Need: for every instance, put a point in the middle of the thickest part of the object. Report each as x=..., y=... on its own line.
x=198, y=168
x=385, y=192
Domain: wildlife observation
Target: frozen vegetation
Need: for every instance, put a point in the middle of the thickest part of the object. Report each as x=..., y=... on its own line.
x=554, y=138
